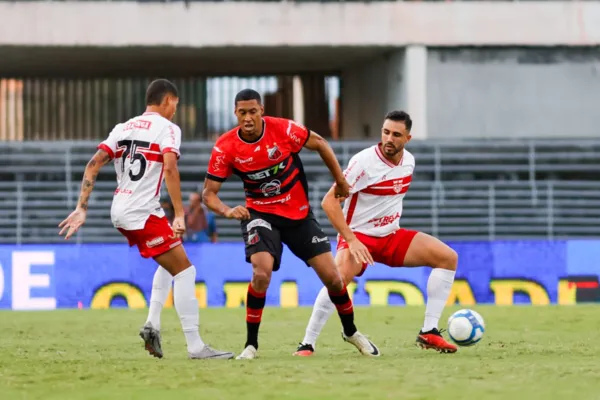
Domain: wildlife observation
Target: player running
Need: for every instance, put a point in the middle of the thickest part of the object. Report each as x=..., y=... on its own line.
x=379, y=178
x=263, y=151
x=144, y=149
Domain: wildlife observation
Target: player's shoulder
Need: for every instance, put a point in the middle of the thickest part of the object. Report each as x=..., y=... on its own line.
x=276, y=121
x=283, y=124
x=408, y=158
x=226, y=140
x=365, y=155
x=162, y=123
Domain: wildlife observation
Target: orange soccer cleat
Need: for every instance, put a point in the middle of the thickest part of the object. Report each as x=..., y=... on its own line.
x=433, y=340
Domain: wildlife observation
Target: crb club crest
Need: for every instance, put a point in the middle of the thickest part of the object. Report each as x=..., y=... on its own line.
x=274, y=152
x=397, y=186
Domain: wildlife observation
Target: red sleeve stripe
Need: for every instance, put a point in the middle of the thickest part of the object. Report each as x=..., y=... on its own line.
x=171, y=150
x=107, y=149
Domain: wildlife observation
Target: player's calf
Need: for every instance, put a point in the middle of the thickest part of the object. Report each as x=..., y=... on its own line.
x=262, y=266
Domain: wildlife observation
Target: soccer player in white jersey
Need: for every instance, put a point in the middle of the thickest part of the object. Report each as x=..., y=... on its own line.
x=145, y=149
x=369, y=231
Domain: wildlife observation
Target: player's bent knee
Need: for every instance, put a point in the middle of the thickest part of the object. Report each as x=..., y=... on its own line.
x=334, y=284
x=174, y=261
x=261, y=279
x=449, y=260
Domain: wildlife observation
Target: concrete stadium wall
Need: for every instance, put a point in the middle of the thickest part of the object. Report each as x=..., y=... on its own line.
x=387, y=53
x=517, y=93
x=222, y=24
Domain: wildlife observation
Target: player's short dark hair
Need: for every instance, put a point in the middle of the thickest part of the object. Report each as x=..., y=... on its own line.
x=400, y=116
x=247, y=95
x=158, y=89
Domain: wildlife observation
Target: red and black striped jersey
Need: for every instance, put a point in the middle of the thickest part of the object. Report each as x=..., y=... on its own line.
x=270, y=167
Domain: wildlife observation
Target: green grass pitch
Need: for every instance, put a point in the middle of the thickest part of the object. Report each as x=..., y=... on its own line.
x=527, y=353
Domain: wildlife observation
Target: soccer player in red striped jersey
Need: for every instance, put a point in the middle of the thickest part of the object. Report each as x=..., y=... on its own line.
x=144, y=150
x=369, y=230
x=263, y=151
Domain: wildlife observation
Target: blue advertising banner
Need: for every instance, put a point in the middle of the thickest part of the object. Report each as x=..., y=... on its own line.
x=34, y=277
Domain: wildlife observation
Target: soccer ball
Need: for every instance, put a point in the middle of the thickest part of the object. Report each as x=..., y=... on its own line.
x=465, y=327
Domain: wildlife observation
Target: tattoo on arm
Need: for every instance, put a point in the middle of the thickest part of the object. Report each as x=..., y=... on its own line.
x=89, y=177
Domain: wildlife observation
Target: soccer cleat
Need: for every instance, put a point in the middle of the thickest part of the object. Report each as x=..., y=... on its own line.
x=364, y=345
x=208, y=352
x=249, y=353
x=304, y=350
x=434, y=340
x=151, y=338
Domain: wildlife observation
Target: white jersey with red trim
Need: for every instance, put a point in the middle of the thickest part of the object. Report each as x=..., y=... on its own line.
x=137, y=147
x=377, y=188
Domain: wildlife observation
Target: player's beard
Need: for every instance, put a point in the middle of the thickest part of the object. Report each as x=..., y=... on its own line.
x=390, y=150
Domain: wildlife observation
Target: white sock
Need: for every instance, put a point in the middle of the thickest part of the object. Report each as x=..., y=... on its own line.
x=186, y=305
x=438, y=288
x=322, y=310
x=161, y=284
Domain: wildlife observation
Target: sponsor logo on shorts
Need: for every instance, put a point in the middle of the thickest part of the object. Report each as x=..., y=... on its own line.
x=253, y=238
x=155, y=242
x=316, y=239
x=257, y=223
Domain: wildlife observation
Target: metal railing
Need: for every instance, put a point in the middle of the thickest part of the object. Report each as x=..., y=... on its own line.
x=460, y=190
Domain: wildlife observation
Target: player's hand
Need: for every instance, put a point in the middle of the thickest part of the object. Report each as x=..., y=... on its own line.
x=72, y=223
x=178, y=227
x=342, y=190
x=360, y=252
x=239, y=213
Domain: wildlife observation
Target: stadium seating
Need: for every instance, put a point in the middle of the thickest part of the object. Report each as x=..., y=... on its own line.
x=476, y=190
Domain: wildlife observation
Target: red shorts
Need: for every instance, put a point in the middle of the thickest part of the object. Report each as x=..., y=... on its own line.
x=154, y=239
x=389, y=250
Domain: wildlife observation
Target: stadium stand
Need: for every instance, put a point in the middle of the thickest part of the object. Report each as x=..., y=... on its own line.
x=471, y=190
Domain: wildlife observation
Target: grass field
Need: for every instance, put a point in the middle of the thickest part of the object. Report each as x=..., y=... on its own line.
x=527, y=353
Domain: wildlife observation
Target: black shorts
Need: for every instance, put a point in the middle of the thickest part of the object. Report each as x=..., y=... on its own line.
x=268, y=232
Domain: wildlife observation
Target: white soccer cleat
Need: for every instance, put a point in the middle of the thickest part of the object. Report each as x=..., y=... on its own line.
x=364, y=345
x=208, y=352
x=249, y=353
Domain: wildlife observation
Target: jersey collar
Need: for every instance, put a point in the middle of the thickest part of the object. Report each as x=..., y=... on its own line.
x=385, y=160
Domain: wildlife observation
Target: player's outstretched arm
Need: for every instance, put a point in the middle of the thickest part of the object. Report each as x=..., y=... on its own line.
x=210, y=197
x=331, y=206
x=173, y=182
x=74, y=221
x=316, y=143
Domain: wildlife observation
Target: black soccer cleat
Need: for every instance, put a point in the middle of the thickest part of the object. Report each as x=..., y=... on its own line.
x=304, y=350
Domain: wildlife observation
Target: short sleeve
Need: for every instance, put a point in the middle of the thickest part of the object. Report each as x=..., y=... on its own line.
x=219, y=166
x=170, y=140
x=297, y=135
x=110, y=144
x=356, y=175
